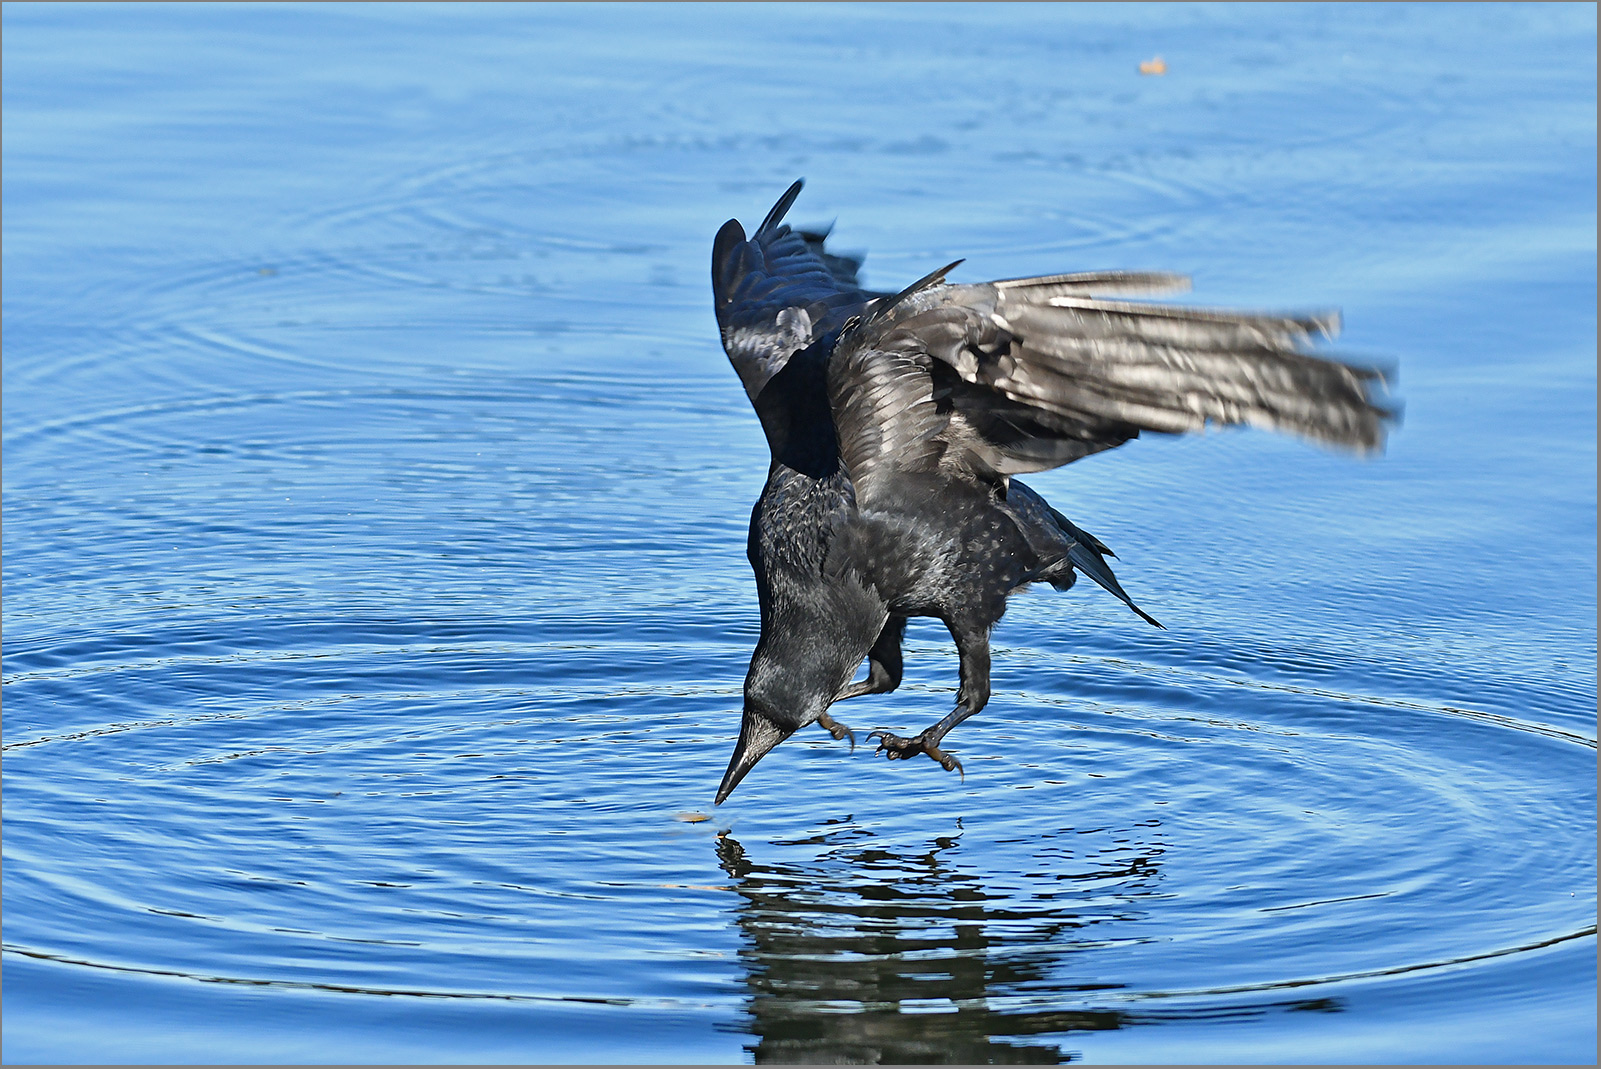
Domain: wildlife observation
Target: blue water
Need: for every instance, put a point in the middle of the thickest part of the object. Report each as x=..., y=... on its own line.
x=375, y=492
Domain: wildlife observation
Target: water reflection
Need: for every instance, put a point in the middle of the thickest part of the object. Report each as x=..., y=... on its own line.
x=866, y=954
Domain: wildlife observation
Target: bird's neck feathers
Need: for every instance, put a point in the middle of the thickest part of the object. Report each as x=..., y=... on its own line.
x=784, y=690
x=814, y=635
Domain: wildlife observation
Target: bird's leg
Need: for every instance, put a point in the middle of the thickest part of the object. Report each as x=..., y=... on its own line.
x=973, y=647
x=883, y=663
x=883, y=675
x=836, y=729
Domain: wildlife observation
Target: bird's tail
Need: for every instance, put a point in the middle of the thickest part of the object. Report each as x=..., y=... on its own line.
x=1085, y=555
x=1088, y=554
x=1059, y=543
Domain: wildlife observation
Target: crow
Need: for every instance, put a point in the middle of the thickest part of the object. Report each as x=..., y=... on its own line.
x=897, y=422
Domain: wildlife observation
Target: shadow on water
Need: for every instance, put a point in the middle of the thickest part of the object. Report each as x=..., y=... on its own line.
x=873, y=956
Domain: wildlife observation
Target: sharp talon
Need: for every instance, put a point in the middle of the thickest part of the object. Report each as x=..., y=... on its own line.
x=947, y=762
x=884, y=735
x=838, y=730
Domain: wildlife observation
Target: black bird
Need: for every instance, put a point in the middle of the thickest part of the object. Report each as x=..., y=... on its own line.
x=897, y=422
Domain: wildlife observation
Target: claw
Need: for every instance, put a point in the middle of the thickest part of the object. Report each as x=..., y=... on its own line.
x=895, y=748
x=946, y=761
x=836, y=729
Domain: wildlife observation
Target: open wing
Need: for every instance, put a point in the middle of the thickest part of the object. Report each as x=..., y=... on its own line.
x=1027, y=374
x=777, y=292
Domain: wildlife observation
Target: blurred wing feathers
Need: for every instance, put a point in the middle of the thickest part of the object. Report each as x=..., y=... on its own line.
x=1087, y=283
x=1028, y=374
x=1166, y=368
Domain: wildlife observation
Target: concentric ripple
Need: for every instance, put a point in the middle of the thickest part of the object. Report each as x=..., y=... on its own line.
x=423, y=809
x=376, y=595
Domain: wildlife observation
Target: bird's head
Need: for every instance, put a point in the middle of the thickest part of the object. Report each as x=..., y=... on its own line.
x=759, y=732
x=782, y=695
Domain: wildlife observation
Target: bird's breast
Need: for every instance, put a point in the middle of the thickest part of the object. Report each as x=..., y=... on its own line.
x=797, y=518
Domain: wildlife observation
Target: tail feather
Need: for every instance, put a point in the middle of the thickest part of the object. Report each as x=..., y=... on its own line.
x=1082, y=535
x=1089, y=561
x=781, y=209
x=1059, y=542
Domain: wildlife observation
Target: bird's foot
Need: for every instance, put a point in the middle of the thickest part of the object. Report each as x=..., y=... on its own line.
x=895, y=748
x=836, y=729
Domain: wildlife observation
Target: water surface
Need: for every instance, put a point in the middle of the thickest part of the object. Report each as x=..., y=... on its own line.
x=375, y=495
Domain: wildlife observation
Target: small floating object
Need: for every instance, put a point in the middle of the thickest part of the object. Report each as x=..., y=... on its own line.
x=691, y=818
x=1153, y=66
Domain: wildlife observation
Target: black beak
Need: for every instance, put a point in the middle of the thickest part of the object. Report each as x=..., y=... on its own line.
x=757, y=735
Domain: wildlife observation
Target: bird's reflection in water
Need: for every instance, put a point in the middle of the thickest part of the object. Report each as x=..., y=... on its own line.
x=861, y=954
